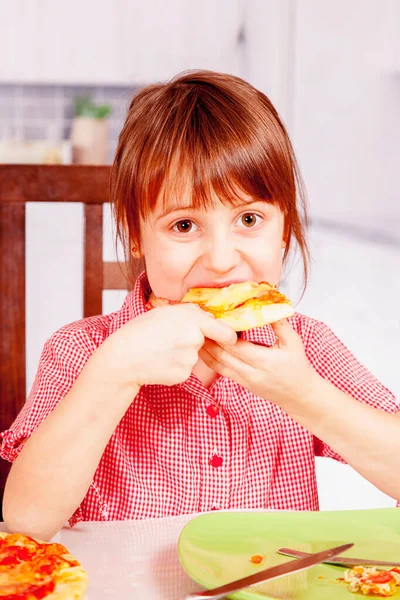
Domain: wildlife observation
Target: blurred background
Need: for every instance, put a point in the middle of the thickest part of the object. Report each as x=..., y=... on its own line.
x=332, y=68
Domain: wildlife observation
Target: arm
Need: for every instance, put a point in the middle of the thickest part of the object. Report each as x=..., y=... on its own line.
x=55, y=467
x=364, y=436
x=53, y=472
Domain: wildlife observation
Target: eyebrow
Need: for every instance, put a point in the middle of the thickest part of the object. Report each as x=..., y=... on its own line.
x=177, y=207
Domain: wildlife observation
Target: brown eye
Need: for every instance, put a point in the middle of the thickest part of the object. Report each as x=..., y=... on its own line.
x=249, y=219
x=183, y=226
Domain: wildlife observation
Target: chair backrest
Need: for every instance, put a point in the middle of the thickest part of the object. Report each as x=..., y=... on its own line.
x=20, y=184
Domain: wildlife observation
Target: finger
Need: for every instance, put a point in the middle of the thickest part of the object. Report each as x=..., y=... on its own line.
x=284, y=332
x=226, y=357
x=216, y=330
x=213, y=364
x=248, y=352
x=223, y=369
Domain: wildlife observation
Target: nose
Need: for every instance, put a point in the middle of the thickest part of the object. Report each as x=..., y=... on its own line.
x=220, y=253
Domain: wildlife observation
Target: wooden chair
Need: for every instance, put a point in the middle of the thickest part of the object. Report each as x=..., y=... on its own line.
x=20, y=184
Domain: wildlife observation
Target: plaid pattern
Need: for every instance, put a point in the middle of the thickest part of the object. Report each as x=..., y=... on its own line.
x=187, y=449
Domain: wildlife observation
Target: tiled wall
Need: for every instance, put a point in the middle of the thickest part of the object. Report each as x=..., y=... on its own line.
x=32, y=112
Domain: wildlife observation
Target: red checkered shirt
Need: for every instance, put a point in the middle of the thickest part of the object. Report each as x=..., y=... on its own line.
x=185, y=448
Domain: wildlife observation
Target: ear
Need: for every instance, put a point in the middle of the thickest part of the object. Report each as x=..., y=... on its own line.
x=285, y=235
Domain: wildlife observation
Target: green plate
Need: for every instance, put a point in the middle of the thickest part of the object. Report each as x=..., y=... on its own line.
x=215, y=548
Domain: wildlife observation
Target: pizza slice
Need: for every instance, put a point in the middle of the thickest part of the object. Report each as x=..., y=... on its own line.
x=241, y=305
x=30, y=570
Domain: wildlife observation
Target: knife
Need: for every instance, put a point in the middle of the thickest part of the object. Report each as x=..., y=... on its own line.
x=341, y=560
x=267, y=574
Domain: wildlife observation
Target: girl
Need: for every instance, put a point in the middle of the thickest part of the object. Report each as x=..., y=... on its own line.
x=152, y=413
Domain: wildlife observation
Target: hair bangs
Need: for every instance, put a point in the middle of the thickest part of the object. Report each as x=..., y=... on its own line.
x=206, y=161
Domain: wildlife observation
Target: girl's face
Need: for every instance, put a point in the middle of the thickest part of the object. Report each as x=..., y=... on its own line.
x=186, y=247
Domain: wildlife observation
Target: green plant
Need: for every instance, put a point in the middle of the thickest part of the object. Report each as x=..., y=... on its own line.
x=84, y=107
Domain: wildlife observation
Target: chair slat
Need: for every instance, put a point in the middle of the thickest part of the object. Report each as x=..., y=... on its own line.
x=93, y=260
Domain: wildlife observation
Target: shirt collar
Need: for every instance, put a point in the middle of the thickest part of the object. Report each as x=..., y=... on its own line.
x=133, y=306
x=139, y=296
x=264, y=336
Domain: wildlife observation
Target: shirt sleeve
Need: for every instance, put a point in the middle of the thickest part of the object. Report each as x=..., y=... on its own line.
x=335, y=363
x=62, y=359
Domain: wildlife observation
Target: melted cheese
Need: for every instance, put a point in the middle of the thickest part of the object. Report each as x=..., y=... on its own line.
x=226, y=298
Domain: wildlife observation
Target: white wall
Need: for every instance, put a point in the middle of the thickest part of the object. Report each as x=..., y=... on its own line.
x=346, y=117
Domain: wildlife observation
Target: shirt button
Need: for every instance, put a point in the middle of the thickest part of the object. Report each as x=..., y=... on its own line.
x=216, y=461
x=212, y=411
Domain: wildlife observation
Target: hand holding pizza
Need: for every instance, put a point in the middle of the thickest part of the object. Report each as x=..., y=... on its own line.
x=161, y=346
x=281, y=374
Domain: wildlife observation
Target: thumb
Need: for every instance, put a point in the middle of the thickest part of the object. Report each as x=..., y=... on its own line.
x=284, y=332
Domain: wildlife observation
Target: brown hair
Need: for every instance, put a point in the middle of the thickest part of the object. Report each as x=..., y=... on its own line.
x=222, y=132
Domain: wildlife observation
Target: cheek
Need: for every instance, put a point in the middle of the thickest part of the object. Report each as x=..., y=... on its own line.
x=166, y=267
x=267, y=260
x=162, y=254
x=270, y=269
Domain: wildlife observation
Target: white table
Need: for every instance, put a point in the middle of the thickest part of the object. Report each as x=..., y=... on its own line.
x=130, y=559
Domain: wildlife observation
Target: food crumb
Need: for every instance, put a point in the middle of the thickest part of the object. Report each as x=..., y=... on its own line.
x=256, y=559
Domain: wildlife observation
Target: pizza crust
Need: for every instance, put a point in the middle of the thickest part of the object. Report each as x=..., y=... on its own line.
x=248, y=317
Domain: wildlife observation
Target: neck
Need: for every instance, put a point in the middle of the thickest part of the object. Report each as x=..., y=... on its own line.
x=206, y=375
